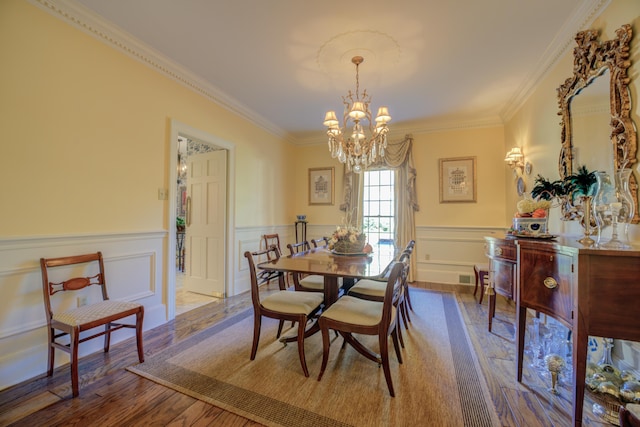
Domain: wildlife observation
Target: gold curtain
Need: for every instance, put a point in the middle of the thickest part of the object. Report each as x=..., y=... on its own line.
x=399, y=157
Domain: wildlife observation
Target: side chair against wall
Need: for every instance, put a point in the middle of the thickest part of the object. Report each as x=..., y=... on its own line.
x=282, y=305
x=72, y=322
x=350, y=315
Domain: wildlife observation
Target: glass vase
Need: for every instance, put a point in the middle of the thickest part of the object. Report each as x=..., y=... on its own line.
x=605, y=192
x=622, y=211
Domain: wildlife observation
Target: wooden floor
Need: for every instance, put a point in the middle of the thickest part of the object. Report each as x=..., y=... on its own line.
x=111, y=395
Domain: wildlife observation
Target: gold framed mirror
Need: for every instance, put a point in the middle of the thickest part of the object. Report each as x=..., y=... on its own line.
x=591, y=59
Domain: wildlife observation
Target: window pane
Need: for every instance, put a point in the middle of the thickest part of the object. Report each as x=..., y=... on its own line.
x=378, y=209
x=385, y=193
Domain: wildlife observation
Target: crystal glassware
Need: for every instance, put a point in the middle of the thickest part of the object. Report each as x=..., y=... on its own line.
x=622, y=211
x=601, y=203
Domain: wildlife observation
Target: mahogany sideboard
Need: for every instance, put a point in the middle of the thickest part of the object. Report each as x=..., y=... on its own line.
x=591, y=291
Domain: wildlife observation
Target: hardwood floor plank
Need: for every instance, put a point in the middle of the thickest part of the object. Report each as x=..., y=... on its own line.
x=158, y=412
x=26, y=407
x=198, y=414
x=526, y=409
x=114, y=396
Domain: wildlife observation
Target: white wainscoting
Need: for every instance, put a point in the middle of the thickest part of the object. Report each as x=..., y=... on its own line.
x=135, y=264
x=447, y=254
x=133, y=270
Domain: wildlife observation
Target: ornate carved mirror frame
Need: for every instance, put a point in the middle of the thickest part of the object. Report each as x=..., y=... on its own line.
x=591, y=58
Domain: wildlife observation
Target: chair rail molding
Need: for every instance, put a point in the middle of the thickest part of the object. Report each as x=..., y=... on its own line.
x=447, y=254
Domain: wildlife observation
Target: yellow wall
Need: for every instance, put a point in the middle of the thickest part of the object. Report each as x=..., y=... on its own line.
x=82, y=122
x=486, y=144
x=317, y=156
x=536, y=128
x=85, y=144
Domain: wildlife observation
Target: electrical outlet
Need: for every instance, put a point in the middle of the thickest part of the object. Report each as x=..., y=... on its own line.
x=82, y=301
x=163, y=194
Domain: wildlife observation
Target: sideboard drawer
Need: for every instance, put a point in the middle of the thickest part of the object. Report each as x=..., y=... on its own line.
x=546, y=282
x=501, y=249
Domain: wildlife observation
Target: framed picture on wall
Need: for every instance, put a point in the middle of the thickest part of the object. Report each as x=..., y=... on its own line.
x=458, y=180
x=321, y=186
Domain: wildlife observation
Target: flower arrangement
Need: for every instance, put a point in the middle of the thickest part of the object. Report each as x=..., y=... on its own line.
x=347, y=240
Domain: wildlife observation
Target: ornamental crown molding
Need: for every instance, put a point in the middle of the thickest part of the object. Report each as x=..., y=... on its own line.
x=584, y=16
x=90, y=23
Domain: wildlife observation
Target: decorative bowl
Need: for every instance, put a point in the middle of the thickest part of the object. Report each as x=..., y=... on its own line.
x=533, y=226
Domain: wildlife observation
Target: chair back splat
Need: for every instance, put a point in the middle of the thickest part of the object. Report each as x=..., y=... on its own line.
x=295, y=248
x=270, y=240
x=322, y=242
x=72, y=322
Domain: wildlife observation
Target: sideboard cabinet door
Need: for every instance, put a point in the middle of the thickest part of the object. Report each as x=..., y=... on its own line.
x=546, y=281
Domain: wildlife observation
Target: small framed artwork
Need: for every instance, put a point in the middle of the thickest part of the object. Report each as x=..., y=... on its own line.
x=321, y=184
x=458, y=180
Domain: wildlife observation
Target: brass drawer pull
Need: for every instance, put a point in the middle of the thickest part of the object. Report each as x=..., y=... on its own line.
x=550, y=283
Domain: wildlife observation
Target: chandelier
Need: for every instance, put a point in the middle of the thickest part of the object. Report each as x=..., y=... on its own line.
x=357, y=151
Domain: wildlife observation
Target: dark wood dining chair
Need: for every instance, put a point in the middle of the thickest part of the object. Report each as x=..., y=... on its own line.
x=350, y=315
x=409, y=249
x=282, y=305
x=72, y=322
x=374, y=290
x=310, y=282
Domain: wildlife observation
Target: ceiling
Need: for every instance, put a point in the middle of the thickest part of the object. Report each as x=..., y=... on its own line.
x=283, y=63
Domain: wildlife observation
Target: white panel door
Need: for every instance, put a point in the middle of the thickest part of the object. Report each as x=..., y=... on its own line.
x=206, y=223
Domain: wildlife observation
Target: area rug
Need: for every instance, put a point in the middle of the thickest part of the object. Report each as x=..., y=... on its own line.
x=439, y=383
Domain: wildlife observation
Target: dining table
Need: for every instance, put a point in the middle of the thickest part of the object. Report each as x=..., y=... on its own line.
x=331, y=265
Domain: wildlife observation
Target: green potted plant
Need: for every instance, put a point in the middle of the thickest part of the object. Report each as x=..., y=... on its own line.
x=548, y=190
x=582, y=183
x=180, y=223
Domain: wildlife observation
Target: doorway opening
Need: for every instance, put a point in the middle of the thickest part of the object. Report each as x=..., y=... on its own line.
x=178, y=267
x=185, y=299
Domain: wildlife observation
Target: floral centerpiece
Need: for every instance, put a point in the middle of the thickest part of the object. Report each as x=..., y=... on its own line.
x=347, y=240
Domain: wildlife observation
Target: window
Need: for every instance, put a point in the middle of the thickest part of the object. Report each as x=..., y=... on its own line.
x=378, y=212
